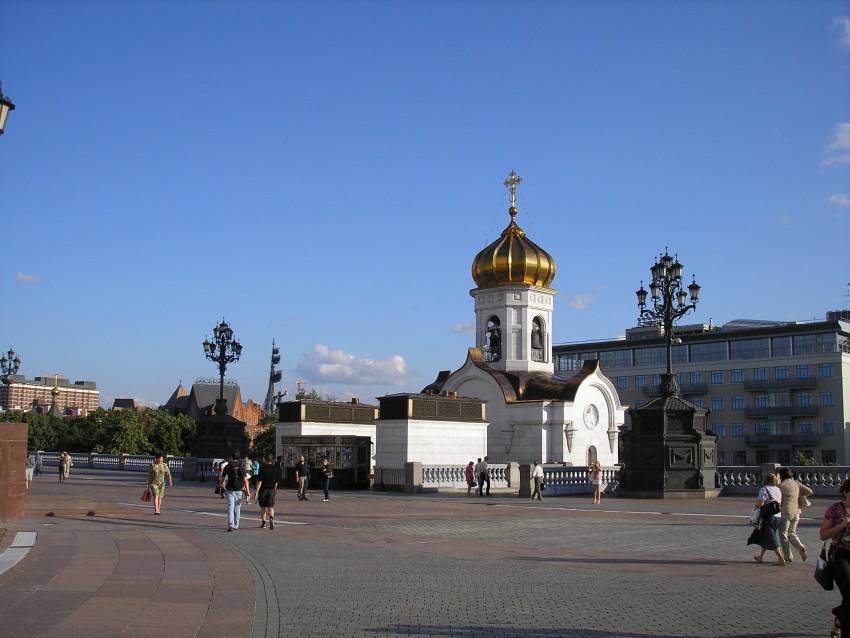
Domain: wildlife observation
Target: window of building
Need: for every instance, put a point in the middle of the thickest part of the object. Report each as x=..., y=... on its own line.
x=721, y=457
x=738, y=429
x=656, y=379
x=737, y=403
x=762, y=457
x=717, y=376
x=696, y=377
x=780, y=399
x=640, y=380
x=804, y=371
x=828, y=457
x=680, y=354
x=716, y=403
x=814, y=344
x=614, y=359
x=782, y=428
x=680, y=378
x=749, y=349
x=739, y=457
x=783, y=457
x=622, y=383
x=760, y=401
x=737, y=375
x=719, y=429
x=827, y=399
x=804, y=427
x=780, y=373
x=697, y=401
x=827, y=427
x=781, y=346
x=702, y=352
x=760, y=374
x=804, y=399
x=568, y=362
x=648, y=357
x=762, y=427
x=825, y=370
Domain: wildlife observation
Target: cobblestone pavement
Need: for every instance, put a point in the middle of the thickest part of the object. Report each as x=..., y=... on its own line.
x=382, y=565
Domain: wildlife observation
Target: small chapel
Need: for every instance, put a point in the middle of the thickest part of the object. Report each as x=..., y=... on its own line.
x=533, y=413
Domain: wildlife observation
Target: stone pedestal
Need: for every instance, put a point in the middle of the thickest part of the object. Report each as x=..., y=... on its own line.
x=218, y=435
x=13, y=464
x=669, y=452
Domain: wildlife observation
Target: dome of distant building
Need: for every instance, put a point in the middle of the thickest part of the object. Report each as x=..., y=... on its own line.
x=513, y=259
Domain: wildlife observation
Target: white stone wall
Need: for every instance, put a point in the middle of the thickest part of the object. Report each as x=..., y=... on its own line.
x=429, y=442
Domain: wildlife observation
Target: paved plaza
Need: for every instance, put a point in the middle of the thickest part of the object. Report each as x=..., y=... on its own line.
x=382, y=565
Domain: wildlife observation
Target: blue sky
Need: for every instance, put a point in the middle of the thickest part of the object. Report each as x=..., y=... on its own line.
x=323, y=173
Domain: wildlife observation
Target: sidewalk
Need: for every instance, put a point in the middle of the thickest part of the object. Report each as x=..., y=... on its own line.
x=380, y=564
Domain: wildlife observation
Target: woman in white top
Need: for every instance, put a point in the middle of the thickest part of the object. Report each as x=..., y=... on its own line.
x=765, y=536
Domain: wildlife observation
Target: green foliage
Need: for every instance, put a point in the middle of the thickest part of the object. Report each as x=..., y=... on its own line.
x=109, y=432
x=803, y=459
x=264, y=442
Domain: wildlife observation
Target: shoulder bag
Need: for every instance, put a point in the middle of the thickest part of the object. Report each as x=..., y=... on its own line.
x=770, y=508
x=826, y=560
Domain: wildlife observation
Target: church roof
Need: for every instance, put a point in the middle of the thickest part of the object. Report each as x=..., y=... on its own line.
x=513, y=258
x=528, y=386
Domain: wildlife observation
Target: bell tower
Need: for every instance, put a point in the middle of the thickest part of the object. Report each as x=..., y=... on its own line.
x=513, y=300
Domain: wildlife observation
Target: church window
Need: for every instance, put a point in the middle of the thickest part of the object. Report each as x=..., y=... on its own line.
x=538, y=338
x=493, y=347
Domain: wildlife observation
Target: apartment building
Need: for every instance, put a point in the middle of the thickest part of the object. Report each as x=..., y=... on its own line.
x=20, y=393
x=774, y=388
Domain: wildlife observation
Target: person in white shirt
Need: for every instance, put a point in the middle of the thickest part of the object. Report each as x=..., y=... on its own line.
x=537, y=477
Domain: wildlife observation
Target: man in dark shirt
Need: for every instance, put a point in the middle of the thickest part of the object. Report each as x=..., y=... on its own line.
x=302, y=473
x=267, y=481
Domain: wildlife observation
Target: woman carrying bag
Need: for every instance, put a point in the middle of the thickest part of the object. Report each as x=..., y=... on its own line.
x=765, y=535
x=834, y=526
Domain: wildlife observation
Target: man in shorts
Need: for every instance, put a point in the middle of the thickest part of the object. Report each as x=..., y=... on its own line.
x=267, y=480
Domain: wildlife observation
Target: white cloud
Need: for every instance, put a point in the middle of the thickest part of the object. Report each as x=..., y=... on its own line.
x=841, y=25
x=581, y=302
x=839, y=145
x=464, y=328
x=337, y=366
x=839, y=199
x=27, y=279
x=783, y=219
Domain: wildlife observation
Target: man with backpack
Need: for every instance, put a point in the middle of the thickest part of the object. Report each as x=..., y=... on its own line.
x=235, y=482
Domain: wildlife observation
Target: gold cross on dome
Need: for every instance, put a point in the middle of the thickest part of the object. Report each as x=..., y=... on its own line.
x=511, y=183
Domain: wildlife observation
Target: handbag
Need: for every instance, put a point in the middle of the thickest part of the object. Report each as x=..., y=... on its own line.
x=755, y=517
x=803, y=501
x=542, y=486
x=770, y=508
x=218, y=489
x=146, y=496
x=823, y=567
x=474, y=484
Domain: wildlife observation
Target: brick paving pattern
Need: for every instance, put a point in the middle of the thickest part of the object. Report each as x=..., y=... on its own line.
x=380, y=565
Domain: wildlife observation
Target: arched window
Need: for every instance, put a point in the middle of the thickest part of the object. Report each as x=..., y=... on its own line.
x=493, y=339
x=538, y=339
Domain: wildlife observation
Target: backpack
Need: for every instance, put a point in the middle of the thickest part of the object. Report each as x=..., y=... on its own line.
x=235, y=476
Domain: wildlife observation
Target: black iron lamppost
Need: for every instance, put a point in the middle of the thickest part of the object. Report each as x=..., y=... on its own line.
x=669, y=303
x=222, y=350
x=9, y=366
x=5, y=106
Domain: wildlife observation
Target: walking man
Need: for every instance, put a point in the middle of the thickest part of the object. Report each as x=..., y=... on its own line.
x=268, y=478
x=236, y=485
x=477, y=471
x=537, y=477
x=484, y=475
x=302, y=473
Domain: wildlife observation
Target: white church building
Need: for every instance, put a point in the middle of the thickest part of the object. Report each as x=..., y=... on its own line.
x=532, y=413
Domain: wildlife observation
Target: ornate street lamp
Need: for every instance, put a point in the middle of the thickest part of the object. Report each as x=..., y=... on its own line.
x=669, y=302
x=9, y=365
x=5, y=106
x=223, y=349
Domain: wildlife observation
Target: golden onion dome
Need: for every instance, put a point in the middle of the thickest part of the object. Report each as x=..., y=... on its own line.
x=513, y=258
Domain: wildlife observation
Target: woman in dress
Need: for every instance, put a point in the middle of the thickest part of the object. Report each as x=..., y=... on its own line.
x=766, y=535
x=596, y=481
x=327, y=474
x=834, y=526
x=470, y=478
x=157, y=474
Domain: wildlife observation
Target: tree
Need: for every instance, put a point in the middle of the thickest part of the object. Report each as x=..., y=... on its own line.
x=264, y=442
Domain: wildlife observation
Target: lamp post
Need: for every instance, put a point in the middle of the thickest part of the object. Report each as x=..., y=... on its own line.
x=223, y=349
x=5, y=106
x=9, y=365
x=669, y=303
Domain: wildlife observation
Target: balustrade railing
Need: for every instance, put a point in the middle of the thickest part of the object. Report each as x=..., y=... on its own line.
x=823, y=480
x=455, y=475
x=561, y=479
x=127, y=462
